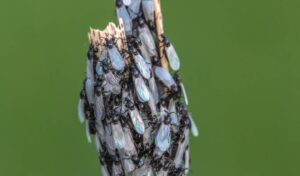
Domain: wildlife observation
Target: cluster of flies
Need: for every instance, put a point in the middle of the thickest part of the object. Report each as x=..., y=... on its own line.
x=135, y=108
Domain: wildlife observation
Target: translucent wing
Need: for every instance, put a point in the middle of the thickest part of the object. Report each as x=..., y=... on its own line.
x=145, y=53
x=128, y=166
x=103, y=55
x=137, y=121
x=141, y=89
x=89, y=89
x=148, y=9
x=147, y=136
x=186, y=100
x=173, y=112
x=110, y=145
x=152, y=105
x=147, y=40
x=164, y=76
x=99, y=107
x=163, y=137
x=99, y=69
x=100, y=130
x=104, y=171
x=118, y=135
x=194, y=128
x=97, y=143
x=172, y=57
x=180, y=150
x=143, y=171
x=153, y=89
x=117, y=60
x=134, y=8
x=162, y=172
x=187, y=160
x=117, y=170
x=81, y=114
x=89, y=69
x=127, y=2
x=123, y=14
x=87, y=132
x=130, y=147
x=112, y=79
x=142, y=66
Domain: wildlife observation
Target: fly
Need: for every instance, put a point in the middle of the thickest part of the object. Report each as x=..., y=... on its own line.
x=142, y=66
x=137, y=121
x=116, y=58
x=163, y=137
x=123, y=14
x=182, y=88
x=142, y=90
x=171, y=54
x=165, y=77
x=181, y=149
x=146, y=38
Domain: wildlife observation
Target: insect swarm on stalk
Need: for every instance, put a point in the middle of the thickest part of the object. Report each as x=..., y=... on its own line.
x=134, y=106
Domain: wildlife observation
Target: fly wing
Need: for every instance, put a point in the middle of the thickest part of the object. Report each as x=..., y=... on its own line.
x=112, y=79
x=89, y=69
x=147, y=40
x=181, y=149
x=173, y=112
x=87, y=132
x=134, y=8
x=110, y=145
x=81, y=113
x=148, y=9
x=152, y=105
x=123, y=14
x=98, y=143
x=194, y=128
x=164, y=76
x=100, y=130
x=117, y=60
x=137, y=121
x=99, y=107
x=128, y=166
x=163, y=138
x=130, y=147
x=89, y=88
x=172, y=57
x=141, y=89
x=142, y=66
x=117, y=170
x=127, y=2
x=186, y=100
x=187, y=160
x=153, y=89
x=118, y=135
x=99, y=69
x=145, y=53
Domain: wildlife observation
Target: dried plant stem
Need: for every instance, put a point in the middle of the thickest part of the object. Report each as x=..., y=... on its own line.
x=160, y=31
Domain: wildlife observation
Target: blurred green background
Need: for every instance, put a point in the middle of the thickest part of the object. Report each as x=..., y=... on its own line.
x=240, y=64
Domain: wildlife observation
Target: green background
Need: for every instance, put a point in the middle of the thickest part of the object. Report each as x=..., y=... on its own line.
x=240, y=64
